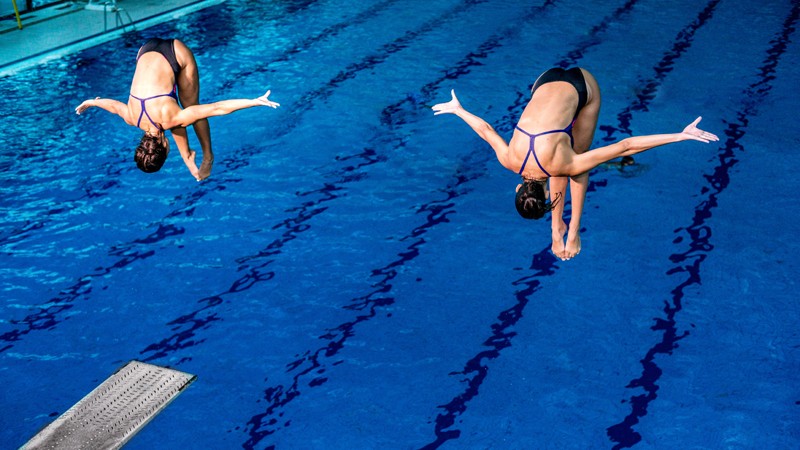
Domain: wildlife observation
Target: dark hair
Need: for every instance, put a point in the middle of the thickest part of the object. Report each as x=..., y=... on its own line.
x=530, y=200
x=150, y=154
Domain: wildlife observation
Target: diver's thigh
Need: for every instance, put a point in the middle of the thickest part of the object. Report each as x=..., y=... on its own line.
x=586, y=123
x=189, y=77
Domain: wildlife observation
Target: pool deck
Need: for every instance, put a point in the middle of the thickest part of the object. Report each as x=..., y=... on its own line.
x=67, y=27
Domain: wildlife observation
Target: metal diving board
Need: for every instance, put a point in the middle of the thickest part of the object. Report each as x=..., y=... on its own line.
x=114, y=411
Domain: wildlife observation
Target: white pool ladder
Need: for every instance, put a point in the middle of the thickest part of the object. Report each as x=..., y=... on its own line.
x=111, y=6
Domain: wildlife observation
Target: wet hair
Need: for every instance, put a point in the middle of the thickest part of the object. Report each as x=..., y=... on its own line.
x=530, y=200
x=150, y=154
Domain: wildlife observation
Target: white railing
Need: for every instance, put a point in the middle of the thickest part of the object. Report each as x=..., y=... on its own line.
x=111, y=6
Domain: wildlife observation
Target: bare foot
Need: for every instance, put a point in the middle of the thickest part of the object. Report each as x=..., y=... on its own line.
x=205, y=169
x=573, y=247
x=558, y=239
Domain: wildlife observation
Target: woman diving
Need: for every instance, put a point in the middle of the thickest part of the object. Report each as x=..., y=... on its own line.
x=166, y=73
x=551, y=140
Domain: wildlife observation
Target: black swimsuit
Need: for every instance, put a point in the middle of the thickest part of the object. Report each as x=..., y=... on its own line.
x=166, y=47
x=572, y=76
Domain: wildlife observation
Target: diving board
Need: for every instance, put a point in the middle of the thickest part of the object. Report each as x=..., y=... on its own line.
x=115, y=410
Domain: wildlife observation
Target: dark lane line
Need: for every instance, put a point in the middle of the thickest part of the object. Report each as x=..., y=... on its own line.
x=23, y=232
x=48, y=315
x=113, y=170
x=256, y=267
x=312, y=364
x=185, y=328
x=544, y=263
x=697, y=237
x=49, y=312
x=303, y=45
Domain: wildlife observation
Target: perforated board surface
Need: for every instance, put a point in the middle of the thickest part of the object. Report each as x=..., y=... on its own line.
x=115, y=410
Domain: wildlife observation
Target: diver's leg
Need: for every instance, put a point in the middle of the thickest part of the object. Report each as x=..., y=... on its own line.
x=583, y=132
x=189, y=93
x=558, y=188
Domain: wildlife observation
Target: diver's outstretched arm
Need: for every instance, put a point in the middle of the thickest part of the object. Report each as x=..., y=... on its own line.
x=631, y=146
x=112, y=106
x=478, y=125
x=192, y=114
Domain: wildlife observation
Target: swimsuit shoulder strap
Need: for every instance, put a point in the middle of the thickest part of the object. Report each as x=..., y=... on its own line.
x=532, y=149
x=144, y=112
x=523, y=131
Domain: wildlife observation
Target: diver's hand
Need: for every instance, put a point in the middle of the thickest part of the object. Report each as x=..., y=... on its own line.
x=447, y=108
x=266, y=102
x=692, y=132
x=86, y=105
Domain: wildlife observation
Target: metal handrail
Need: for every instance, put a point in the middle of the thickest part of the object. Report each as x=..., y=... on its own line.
x=16, y=12
x=119, y=21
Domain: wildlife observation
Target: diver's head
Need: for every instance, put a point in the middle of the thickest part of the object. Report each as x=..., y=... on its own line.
x=151, y=152
x=531, y=199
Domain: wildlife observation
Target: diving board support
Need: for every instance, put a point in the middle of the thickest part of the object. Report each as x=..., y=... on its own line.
x=114, y=411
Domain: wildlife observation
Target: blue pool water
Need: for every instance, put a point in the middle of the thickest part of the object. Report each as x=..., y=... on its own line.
x=354, y=275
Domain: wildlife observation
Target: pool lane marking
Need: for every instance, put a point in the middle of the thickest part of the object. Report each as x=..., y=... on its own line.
x=308, y=100
x=698, y=235
x=543, y=262
x=437, y=211
x=366, y=63
x=362, y=303
x=256, y=266
x=395, y=114
x=184, y=338
x=185, y=326
x=21, y=233
x=311, y=363
x=305, y=44
x=46, y=317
